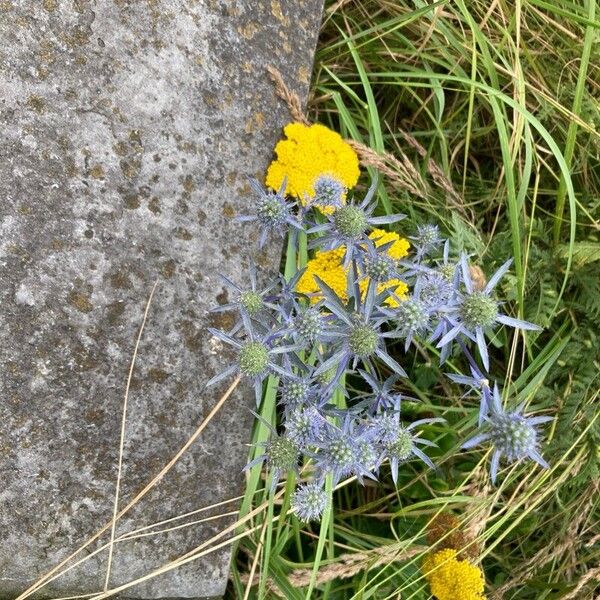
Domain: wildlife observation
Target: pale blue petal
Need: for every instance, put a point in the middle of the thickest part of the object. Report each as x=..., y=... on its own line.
x=539, y=459
x=464, y=265
x=226, y=373
x=390, y=362
x=495, y=278
x=475, y=441
x=517, y=323
x=494, y=465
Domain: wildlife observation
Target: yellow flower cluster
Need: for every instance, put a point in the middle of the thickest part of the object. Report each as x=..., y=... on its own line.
x=327, y=265
x=452, y=579
x=310, y=151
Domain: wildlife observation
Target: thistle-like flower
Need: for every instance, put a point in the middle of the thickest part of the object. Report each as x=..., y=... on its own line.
x=379, y=266
x=306, y=426
x=298, y=391
x=348, y=227
x=403, y=445
x=477, y=311
x=281, y=455
x=273, y=212
x=427, y=240
x=250, y=301
x=511, y=434
x=342, y=452
x=359, y=336
x=256, y=356
x=329, y=192
x=309, y=501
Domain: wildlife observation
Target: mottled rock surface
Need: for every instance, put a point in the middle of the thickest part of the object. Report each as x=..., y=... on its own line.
x=128, y=128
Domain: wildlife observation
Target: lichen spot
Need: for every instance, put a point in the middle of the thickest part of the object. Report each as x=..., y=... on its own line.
x=80, y=301
x=36, y=103
x=97, y=172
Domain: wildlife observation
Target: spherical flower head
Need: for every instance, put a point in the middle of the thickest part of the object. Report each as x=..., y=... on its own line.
x=341, y=454
x=435, y=289
x=362, y=340
x=366, y=455
x=254, y=357
x=350, y=222
x=513, y=435
x=447, y=271
x=386, y=428
x=380, y=267
x=428, y=235
x=295, y=391
x=478, y=310
x=304, y=426
x=452, y=579
x=308, y=324
x=412, y=315
x=329, y=191
x=272, y=210
x=309, y=501
x=402, y=446
x=251, y=302
x=282, y=454
x=308, y=152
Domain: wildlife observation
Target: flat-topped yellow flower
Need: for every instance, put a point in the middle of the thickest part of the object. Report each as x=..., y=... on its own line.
x=452, y=579
x=307, y=152
x=328, y=266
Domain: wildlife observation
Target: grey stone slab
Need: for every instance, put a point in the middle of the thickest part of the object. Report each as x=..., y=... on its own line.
x=128, y=128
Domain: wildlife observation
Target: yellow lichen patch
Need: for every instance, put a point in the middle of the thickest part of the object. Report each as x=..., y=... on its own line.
x=307, y=152
x=36, y=103
x=97, y=172
x=452, y=579
x=327, y=265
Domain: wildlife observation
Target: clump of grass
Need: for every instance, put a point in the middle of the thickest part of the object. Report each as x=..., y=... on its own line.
x=495, y=106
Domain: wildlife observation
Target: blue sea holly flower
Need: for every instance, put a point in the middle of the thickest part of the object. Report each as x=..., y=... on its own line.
x=349, y=225
x=308, y=326
x=405, y=443
x=427, y=240
x=341, y=453
x=358, y=332
x=273, y=212
x=309, y=501
x=250, y=301
x=436, y=290
x=256, y=357
x=299, y=390
x=477, y=311
x=512, y=435
x=412, y=316
x=329, y=191
x=378, y=264
x=306, y=426
x=281, y=454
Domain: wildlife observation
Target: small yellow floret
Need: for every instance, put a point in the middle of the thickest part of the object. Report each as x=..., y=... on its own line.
x=452, y=579
x=327, y=264
x=307, y=152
